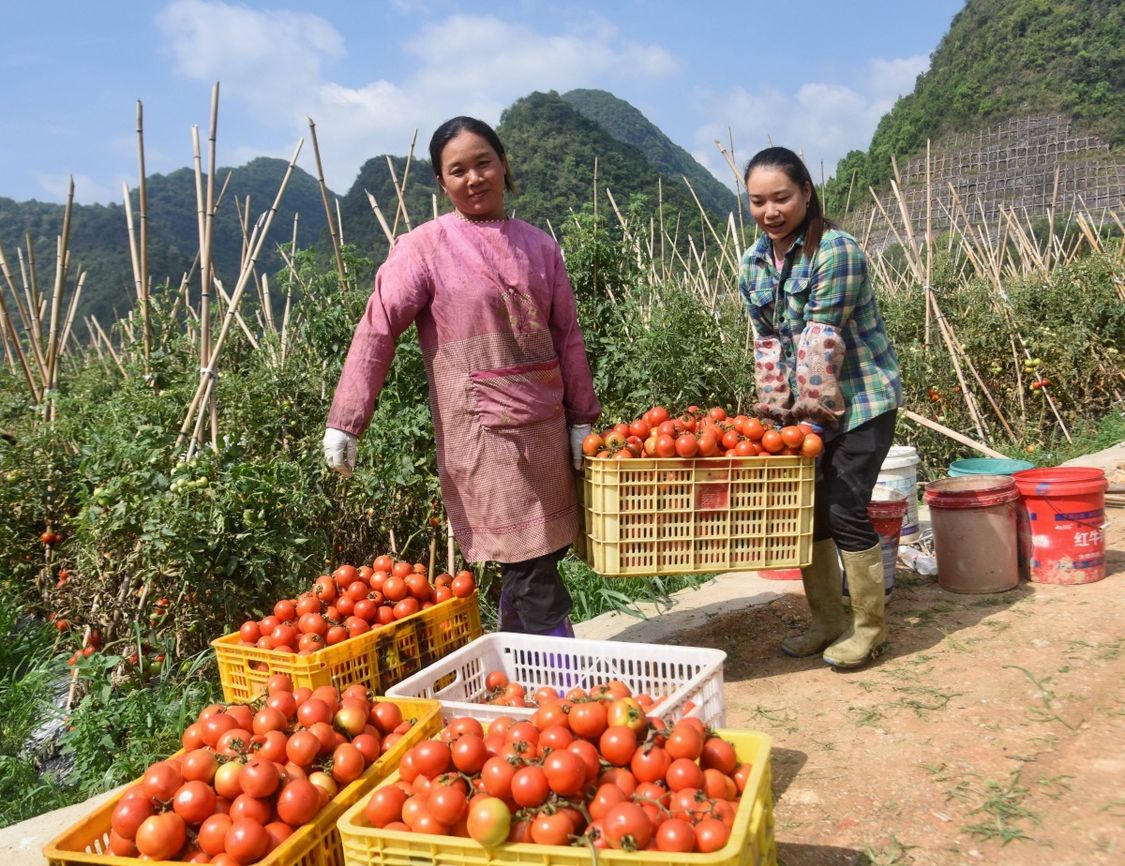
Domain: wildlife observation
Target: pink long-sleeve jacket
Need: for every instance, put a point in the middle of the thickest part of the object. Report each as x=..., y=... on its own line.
x=507, y=373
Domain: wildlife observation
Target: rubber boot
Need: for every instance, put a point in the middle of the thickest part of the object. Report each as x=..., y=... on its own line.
x=821, y=579
x=864, y=640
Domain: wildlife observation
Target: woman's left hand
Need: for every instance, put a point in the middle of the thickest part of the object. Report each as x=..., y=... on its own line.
x=577, y=434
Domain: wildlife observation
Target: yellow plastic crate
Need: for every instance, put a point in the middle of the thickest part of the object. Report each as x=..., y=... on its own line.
x=378, y=658
x=314, y=844
x=751, y=840
x=671, y=516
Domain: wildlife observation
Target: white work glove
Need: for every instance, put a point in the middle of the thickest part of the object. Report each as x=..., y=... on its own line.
x=577, y=433
x=340, y=450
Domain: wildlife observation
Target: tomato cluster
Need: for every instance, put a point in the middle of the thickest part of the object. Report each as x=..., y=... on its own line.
x=90, y=645
x=582, y=771
x=701, y=433
x=250, y=775
x=349, y=602
x=500, y=690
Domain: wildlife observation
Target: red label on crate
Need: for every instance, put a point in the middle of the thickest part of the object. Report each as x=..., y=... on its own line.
x=712, y=497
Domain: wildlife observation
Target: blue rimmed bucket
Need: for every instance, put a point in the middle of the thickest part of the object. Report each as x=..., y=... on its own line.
x=987, y=466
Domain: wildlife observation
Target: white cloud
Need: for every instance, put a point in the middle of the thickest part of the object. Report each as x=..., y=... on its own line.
x=894, y=78
x=268, y=59
x=822, y=121
x=241, y=48
x=86, y=189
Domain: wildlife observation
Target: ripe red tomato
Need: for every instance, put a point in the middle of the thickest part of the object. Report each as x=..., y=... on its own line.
x=627, y=826
x=348, y=763
x=565, y=772
x=130, y=813
x=298, y=802
x=711, y=834
x=345, y=575
x=617, y=744
x=588, y=719
x=161, y=781
x=683, y=773
x=772, y=442
x=213, y=832
x=246, y=841
x=161, y=836
x=496, y=776
x=552, y=829
x=675, y=835
x=259, y=778
x=432, y=758
x=447, y=803
x=530, y=787
x=385, y=805
x=407, y=607
x=194, y=802
x=463, y=584
x=687, y=445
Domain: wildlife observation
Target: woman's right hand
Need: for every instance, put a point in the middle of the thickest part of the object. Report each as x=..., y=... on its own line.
x=340, y=450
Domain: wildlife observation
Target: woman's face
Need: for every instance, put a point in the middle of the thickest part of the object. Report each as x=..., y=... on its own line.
x=777, y=203
x=472, y=175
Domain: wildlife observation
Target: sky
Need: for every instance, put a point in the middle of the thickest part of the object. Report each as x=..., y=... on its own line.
x=815, y=76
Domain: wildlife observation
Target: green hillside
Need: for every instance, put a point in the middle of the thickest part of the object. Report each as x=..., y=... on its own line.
x=553, y=149
x=628, y=125
x=99, y=241
x=1001, y=59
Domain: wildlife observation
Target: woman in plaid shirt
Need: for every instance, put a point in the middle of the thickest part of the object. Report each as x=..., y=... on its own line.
x=821, y=355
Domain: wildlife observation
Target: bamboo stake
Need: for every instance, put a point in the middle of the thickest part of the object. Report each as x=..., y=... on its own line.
x=332, y=231
x=109, y=347
x=401, y=202
x=30, y=321
x=72, y=309
x=953, y=434
x=56, y=299
x=237, y=315
x=142, y=215
x=31, y=284
x=207, y=380
x=379, y=216
x=405, y=177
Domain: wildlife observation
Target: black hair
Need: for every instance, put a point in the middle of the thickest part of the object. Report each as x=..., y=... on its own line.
x=783, y=159
x=454, y=127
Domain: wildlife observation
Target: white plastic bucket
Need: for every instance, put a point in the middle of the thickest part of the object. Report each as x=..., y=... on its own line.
x=899, y=472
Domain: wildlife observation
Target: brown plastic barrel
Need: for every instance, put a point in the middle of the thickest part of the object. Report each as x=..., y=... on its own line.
x=974, y=524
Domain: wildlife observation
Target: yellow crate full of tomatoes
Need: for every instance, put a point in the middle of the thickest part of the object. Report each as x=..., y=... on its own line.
x=697, y=493
x=578, y=795
x=373, y=625
x=175, y=811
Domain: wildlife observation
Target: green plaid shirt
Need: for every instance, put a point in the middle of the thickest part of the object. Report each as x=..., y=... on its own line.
x=831, y=288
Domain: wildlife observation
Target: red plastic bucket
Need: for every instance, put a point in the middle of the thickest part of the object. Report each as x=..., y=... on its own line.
x=975, y=541
x=1063, y=537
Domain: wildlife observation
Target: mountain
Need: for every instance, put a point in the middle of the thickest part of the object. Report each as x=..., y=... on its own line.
x=553, y=149
x=1003, y=59
x=99, y=241
x=628, y=125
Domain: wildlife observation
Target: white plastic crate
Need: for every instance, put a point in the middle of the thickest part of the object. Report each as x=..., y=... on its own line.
x=674, y=675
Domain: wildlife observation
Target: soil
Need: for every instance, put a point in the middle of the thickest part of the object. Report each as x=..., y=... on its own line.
x=992, y=730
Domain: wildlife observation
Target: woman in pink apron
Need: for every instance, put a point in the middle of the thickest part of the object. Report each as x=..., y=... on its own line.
x=510, y=389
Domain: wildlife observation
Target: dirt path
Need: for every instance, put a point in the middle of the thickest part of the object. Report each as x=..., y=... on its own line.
x=991, y=732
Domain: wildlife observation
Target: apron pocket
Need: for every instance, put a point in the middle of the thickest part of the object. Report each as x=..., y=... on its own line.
x=517, y=396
